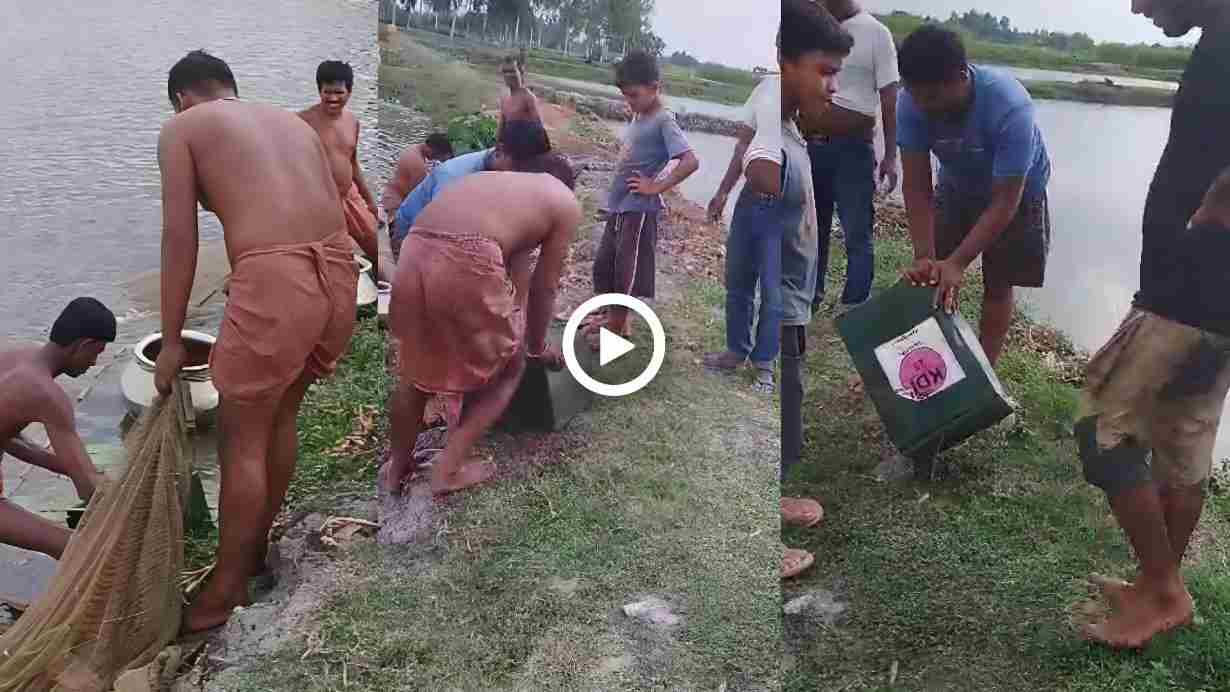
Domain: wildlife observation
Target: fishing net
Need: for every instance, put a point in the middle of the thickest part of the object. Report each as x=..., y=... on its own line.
x=114, y=602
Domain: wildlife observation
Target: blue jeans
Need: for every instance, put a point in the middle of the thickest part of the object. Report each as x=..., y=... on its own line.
x=754, y=256
x=843, y=172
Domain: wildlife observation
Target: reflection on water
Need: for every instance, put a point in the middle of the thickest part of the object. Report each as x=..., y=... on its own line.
x=1103, y=158
x=1031, y=74
x=80, y=204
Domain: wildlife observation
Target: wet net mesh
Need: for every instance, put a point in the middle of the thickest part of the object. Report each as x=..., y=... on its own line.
x=114, y=602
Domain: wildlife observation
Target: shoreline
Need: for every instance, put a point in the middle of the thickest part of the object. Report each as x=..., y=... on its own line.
x=522, y=584
x=1104, y=93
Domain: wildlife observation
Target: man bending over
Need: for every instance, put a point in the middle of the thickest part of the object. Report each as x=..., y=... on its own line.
x=29, y=394
x=468, y=309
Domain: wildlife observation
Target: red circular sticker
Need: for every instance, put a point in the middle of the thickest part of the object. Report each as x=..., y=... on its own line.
x=923, y=372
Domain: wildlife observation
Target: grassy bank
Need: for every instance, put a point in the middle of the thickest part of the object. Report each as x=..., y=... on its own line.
x=341, y=426
x=666, y=493
x=726, y=85
x=1097, y=92
x=974, y=581
x=1144, y=62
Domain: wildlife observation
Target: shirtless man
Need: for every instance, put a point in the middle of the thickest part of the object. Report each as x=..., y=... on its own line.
x=412, y=168
x=339, y=131
x=290, y=312
x=29, y=394
x=468, y=310
x=520, y=103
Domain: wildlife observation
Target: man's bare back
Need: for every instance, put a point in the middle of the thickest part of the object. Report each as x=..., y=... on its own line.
x=340, y=135
x=262, y=170
x=534, y=210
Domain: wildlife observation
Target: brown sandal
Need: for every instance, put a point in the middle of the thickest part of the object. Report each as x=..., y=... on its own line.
x=796, y=562
x=797, y=511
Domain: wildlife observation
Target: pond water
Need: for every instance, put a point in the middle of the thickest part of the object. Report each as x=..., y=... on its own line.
x=80, y=208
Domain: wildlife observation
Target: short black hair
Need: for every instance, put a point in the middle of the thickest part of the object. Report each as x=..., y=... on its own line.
x=439, y=143
x=807, y=27
x=198, y=69
x=638, y=68
x=931, y=55
x=524, y=139
x=84, y=318
x=332, y=72
x=553, y=163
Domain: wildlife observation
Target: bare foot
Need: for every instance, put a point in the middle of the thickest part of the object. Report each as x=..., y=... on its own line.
x=594, y=338
x=395, y=472
x=1115, y=590
x=209, y=611
x=795, y=562
x=1142, y=616
x=593, y=322
x=468, y=476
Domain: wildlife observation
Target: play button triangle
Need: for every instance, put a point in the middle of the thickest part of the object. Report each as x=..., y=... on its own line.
x=612, y=346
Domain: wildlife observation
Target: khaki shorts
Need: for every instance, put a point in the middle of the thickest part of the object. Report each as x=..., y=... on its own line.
x=1160, y=385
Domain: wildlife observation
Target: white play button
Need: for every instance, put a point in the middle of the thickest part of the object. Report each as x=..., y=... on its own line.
x=611, y=346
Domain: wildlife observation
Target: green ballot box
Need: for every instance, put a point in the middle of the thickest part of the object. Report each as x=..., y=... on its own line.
x=547, y=400
x=924, y=370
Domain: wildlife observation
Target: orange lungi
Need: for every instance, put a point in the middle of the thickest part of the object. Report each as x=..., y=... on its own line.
x=360, y=223
x=455, y=312
x=291, y=310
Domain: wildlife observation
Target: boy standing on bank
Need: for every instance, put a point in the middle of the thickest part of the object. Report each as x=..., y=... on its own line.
x=625, y=259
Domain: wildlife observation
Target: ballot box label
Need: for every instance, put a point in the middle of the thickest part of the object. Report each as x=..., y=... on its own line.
x=920, y=364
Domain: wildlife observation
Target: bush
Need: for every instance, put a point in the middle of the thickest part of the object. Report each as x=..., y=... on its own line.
x=473, y=132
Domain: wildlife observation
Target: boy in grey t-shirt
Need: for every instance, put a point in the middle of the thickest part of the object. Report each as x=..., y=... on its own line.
x=625, y=259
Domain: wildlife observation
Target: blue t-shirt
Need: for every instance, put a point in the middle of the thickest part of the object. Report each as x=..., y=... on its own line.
x=439, y=178
x=997, y=138
x=649, y=143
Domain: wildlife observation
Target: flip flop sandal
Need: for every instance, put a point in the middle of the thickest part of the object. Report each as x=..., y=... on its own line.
x=810, y=518
x=796, y=562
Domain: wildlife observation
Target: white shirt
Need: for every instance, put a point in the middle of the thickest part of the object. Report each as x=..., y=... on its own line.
x=774, y=134
x=871, y=65
x=763, y=113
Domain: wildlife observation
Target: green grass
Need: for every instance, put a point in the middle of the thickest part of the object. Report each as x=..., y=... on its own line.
x=420, y=78
x=1145, y=62
x=666, y=492
x=328, y=416
x=331, y=412
x=1091, y=92
x=709, y=82
x=669, y=492
x=967, y=582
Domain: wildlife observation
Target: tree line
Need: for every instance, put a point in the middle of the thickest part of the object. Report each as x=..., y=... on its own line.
x=1081, y=47
x=590, y=26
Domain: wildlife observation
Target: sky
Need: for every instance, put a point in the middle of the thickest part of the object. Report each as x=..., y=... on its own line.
x=1104, y=20
x=740, y=33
